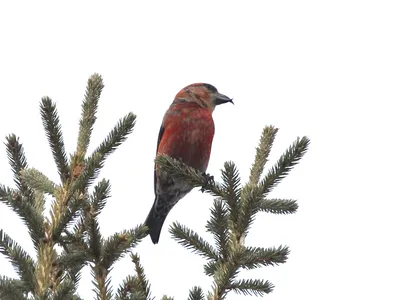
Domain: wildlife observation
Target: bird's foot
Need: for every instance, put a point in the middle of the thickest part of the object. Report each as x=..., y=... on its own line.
x=209, y=179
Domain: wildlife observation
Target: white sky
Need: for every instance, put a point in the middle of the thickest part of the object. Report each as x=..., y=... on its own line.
x=325, y=69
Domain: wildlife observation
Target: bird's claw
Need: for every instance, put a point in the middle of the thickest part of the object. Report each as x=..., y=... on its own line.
x=209, y=179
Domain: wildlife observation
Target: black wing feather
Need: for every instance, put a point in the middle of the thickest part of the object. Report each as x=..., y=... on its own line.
x=160, y=135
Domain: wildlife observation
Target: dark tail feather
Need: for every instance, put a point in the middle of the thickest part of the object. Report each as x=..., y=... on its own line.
x=154, y=223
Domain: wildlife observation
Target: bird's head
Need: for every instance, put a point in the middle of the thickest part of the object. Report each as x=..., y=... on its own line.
x=203, y=94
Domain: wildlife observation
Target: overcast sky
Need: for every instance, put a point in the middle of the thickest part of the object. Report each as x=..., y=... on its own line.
x=329, y=70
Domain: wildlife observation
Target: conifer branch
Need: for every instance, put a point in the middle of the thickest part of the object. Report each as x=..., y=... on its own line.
x=18, y=162
x=89, y=109
x=140, y=283
x=232, y=189
x=196, y=293
x=36, y=180
x=74, y=272
x=232, y=215
x=44, y=272
x=211, y=267
x=55, y=276
x=94, y=236
x=218, y=227
x=192, y=241
x=33, y=220
x=285, y=163
x=195, y=178
x=12, y=289
x=21, y=261
x=65, y=290
x=120, y=243
x=255, y=257
x=256, y=287
x=116, y=137
x=92, y=209
x=100, y=194
x=63, y=212
x=77, y=235
x=88, y=174
x=250, y=202
x=72, y=262
x=279, y=206
x=101, y=282
x=52, y=127
x=95, y=161
x=223, y=276
x=38, y=202
x=127, y=290
x=262, y=152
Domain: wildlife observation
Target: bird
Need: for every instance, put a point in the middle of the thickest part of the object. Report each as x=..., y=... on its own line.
x=186, y=134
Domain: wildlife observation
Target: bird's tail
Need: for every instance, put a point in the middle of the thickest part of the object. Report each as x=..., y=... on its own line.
x=154, y=223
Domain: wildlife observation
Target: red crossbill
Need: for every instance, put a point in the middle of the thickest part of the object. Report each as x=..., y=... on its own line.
x=186, y=133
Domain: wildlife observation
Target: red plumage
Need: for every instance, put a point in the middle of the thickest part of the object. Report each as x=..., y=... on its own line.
x=188, y=134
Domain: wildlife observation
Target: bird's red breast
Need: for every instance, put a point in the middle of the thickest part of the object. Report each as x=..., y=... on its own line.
x=188, y=134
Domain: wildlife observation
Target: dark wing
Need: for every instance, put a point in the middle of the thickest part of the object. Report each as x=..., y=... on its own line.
x=160, y=134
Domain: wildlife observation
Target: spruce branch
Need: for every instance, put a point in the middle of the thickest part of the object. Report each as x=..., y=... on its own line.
x=52, y=127
x=94, y=163
x=120, y=243
x=74, y=273
x=256, y=287
x=141, y=283
x=262, y=152
x=255, y=257
x=44, y=272
x=72, y=262
x=63, y=212
x=91, y=210
x=77, y=235
x=18, y=162
x=102, y=283
x=116, y=137
x=211, y=267
x=94, y=237
x=279, y=206
x=218, y=227
x=112, y=249
x=100, y=194
x=25, y=210
x=232, y=215
x=89, y=173
x=223, y=277
x=21, y=261
x=89, y=109
x=285, y=163
x=38, y=202
x=54, y=275
x=232, y=189
x=12, y=289
x=196, y=293
x=192, y=241
x=36, y=180
x=65, y=290
x=195, y=178
x=251, y=198
x=128, y=290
